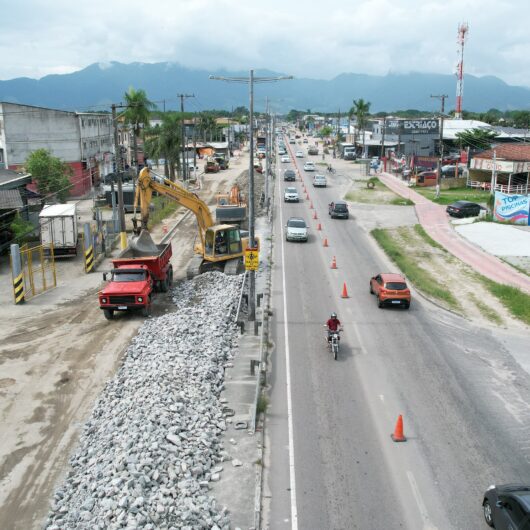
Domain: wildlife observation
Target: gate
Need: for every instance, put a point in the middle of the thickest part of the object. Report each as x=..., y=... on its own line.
x=38, y=269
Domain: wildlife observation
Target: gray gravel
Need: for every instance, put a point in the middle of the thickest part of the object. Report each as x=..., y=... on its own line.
x=153, y=443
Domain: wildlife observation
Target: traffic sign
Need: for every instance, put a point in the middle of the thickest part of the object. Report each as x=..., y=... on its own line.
x=251, y=259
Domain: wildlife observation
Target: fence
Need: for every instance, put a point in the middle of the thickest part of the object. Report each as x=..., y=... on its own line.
x=38, y=269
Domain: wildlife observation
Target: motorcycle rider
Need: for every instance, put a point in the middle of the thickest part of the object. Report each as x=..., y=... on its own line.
x=333, y=324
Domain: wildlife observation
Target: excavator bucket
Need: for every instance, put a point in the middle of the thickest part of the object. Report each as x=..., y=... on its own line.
x=144, y=244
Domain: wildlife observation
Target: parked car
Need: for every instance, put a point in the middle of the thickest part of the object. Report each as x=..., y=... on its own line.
x=285, y=159
x=338, y=209
x=291, y=195
x=309, y=166
x=296, y=229
x=450, y=169
x=390, y=289
x=464, y=209
x=319, y=181
x=299, y=154
x=211, y=166
x=289, y=174
x=507, y=507
x=313, y=150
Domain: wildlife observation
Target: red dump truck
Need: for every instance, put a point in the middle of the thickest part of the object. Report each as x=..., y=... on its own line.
x=142, y=269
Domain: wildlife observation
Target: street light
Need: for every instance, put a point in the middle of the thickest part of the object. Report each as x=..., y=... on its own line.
x=250, y=80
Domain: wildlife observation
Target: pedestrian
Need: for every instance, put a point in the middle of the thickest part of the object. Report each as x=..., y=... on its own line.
x=437, y=191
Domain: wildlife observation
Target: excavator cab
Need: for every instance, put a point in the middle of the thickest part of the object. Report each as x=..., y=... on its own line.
x=221, y=241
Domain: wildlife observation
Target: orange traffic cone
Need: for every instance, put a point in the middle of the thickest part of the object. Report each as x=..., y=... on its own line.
x=315, y=215
x=319, y=227
x=344, y=291
x=311, y=205
x=325, y=244
x=398, y=435
x=333, y=263
x=307, y=196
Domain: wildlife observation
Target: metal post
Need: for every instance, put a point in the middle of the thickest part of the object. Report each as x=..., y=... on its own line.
x=252, y=274
x=17, y=274
x=493, y=173
x=121, y=213
x=114, y=206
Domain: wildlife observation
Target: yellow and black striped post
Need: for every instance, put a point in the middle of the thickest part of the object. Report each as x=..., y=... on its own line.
x=88, y=248
x=17, y=274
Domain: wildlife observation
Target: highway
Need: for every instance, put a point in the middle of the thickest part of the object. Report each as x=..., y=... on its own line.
x=331, y=463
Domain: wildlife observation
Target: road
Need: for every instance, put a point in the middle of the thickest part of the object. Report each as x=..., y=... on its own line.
x=331, y=462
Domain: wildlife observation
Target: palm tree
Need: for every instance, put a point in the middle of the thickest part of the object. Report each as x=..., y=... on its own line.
x=165, y=141
x=351, y=114
x=362, y=110
x=137, y=115
x=207, y=124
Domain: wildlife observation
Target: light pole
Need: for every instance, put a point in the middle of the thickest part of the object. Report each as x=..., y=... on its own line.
x=250, y=80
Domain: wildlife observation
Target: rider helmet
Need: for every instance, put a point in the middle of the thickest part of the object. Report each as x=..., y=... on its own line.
x=333, y=315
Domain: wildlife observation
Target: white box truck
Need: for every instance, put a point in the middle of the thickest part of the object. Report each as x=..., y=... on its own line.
x=58, y=226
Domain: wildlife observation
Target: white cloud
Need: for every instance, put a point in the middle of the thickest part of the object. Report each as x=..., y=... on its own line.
x=302, y=38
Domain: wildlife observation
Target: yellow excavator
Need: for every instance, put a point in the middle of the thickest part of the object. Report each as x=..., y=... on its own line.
x=218, y=247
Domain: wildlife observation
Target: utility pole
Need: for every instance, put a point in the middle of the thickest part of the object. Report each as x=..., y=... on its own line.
x=442, y=99
x=383, y=139
x=252, y=241
x=183, y=134
x=119, y=173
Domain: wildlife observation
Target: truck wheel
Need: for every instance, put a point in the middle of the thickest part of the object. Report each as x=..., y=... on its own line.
x=146, y=310
x=163, y=284
x=109, y=313
x=170, y=277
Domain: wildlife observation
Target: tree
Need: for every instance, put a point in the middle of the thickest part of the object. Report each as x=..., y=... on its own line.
x=207, y=124
x=137, y=115
x=476, y=139
x=327, y=130
x=351, y=114
x=50, y=173
x=164, y=141
x=362, y=109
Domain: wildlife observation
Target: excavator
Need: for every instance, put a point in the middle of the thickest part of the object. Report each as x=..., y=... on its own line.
x=231, y=207
x=218, y=247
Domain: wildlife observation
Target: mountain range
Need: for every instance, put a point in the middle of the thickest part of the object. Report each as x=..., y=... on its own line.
x=97, y=85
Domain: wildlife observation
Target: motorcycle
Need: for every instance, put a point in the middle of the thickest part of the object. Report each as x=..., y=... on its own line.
x=333, y=340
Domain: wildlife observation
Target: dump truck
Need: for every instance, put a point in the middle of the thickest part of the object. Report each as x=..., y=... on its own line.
x=141, y=270
x=231, y=207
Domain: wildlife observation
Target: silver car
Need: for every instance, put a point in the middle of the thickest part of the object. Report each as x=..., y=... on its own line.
x=296, y=229
x=291, y=195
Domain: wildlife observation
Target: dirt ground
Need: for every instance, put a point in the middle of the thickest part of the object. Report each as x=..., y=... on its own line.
x=57, y=351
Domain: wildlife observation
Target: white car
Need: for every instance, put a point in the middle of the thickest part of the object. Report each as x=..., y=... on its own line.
x=309, y=166
x=291, y=195
x=319, y=181
x=296, y=229
x=285, y=158
x=299, y=154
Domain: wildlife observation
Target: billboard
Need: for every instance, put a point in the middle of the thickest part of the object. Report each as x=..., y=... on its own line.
x=512, y=208
x=421, y=126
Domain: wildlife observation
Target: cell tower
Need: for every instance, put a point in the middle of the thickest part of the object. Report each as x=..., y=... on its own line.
x=461, y=40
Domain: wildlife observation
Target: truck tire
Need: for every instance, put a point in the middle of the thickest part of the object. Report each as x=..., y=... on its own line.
x=109, y=313
x=163, y=284
x=146, y=310
x=170, y=277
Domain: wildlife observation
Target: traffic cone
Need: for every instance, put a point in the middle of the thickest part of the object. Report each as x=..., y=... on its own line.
x=315, y=215
x=333, y=263
x=344, y=291
x=325, y=244
x=319, y=227
x=311, y=205
x=307, y=196
x=398, y=435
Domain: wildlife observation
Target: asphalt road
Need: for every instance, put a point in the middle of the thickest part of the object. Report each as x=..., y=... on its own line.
x=331, y=462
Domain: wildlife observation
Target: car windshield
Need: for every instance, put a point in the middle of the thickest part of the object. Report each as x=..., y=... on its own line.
x=396, y=286
x=130, y=276
x=296, y=223
x=289, y=172
x=341, y=208
x=290, y=190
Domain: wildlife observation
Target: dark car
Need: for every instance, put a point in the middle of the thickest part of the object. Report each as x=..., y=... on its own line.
x=338, y=209
x=464, y=209
x=289, y=174
x=507, y=507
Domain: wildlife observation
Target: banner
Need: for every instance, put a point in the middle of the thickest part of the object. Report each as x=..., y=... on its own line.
x=512, y=208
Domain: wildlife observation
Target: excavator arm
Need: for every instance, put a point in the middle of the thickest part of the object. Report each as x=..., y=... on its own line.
x=148, y=183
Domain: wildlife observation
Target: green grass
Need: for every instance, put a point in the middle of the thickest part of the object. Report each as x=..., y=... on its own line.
x=522, y=270
x=486, y=311
x=455, y=194
x=516, y=301
x=164, y=207
x=420, y=277
x=427, y=238
x=400, y=201
x=263, y=403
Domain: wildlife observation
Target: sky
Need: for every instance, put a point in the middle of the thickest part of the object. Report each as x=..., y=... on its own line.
x=307, y=38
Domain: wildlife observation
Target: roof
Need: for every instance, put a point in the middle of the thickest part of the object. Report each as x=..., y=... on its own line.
x=392, y=276
x=10, y=179
x=453, y=127
x=10, y=200
x=516, y=152
x=57, y=210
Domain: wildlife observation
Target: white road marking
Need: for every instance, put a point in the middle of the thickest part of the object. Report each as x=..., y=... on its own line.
x=427, y=525
x=292, y=477
x=382, y=398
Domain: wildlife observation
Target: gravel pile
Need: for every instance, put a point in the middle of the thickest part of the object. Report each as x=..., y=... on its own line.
x=152, y=445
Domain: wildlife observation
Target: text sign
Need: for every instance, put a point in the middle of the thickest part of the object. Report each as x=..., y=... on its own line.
x=251, y=259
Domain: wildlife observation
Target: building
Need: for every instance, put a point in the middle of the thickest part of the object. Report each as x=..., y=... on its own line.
x=84, y=140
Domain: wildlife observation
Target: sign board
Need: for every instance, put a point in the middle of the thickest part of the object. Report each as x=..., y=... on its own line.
x=487, y=164
x=512, y=208
x=421, y=126
x=251, y=259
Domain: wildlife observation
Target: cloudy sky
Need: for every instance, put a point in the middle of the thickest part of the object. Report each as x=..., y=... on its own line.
x=307, y=38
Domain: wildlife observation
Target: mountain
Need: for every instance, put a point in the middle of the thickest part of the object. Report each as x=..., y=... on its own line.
x=97, y=85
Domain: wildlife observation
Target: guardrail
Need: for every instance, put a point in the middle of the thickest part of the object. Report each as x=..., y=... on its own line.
x=241, y=297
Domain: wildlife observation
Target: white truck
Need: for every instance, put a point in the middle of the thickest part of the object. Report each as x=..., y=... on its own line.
x=58, y=226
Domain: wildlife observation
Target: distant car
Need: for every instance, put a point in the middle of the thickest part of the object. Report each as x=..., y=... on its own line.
x=292, y=141
x=338, y=210
x=305, y=140
x=449, y=170
x=349, y=155
x=390, y=289
x=299, y=154
x=289, y=174
x=464, y=209
x=285, y=159
x=312, y=150
x=291, y=195
x=296, y=229
x=507, y=507
x=282, y=152
x=319, y=181
x=309, y=166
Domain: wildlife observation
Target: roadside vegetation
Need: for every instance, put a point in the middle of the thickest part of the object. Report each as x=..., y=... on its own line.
x=163, y=208
x=455, y=194
x=373, y=191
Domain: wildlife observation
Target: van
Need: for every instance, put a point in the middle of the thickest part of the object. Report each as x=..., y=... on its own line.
x=338, y=209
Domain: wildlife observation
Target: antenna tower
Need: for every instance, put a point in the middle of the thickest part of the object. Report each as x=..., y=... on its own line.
x=463, y=28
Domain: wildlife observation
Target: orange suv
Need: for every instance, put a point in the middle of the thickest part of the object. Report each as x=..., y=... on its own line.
x=390, y=289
